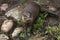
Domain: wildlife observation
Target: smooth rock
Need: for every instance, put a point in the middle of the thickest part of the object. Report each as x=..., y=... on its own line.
x=3, y=37
x=17, y=31
x=4, y=6
x=15, y=13
x=7, y=25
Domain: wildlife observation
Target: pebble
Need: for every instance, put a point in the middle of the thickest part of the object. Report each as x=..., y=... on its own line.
x=4, y=6
x=3, y=37
x=7, y=25
x=52, y=8
x=17, y=31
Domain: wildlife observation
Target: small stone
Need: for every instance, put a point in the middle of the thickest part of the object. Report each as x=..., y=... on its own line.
x=7, y=25
x=4, y=6
x=17, y=31
x=51, y=8
x=3, y=37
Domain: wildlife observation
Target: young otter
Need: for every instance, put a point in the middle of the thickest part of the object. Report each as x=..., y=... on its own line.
x=30, y=12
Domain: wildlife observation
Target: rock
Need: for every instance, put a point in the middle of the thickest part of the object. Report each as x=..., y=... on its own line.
x=3, y=37
x=7, y=25
x=15, y=13
x=51, y=8
x=17, y=31
x=4, y=6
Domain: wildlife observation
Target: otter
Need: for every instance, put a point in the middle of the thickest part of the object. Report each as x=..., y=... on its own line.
x=30, y=12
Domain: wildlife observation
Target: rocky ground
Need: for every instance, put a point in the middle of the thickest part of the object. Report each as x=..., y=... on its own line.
x=45, y=27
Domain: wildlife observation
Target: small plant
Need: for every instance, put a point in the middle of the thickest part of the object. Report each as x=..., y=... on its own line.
x=54, y=31
x=51, y=30
x=40, y=21
x=58, y=37
x=19, y=21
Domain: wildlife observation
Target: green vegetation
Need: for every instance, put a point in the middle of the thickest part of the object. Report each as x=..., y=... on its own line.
x=40, y=21
x=54, y=31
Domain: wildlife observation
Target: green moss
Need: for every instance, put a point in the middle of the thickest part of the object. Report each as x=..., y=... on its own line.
x=40, y=21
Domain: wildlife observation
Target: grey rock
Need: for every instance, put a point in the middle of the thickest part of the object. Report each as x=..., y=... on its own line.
x=15, y=13
x=17, y=31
